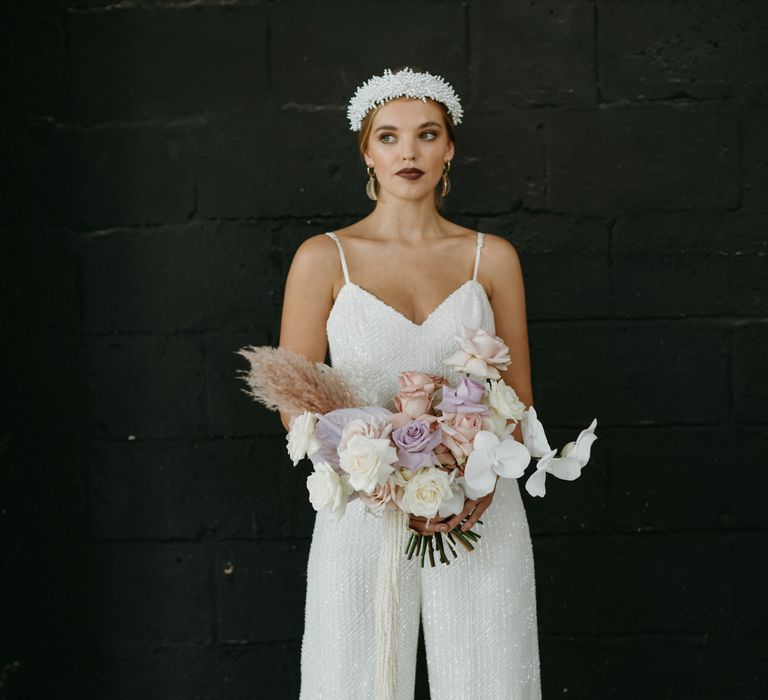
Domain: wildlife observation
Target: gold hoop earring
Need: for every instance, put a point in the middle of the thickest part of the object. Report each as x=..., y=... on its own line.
x=370, y=187
x=446, y=182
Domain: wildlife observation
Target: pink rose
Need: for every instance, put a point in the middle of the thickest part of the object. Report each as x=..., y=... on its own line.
x=416, y=392
x=481, y=354
x=382, y=497
x=459, y=430
x=445, y=456
x=375, y=428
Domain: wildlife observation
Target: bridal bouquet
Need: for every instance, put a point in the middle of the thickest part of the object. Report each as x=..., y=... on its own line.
x=426, y=458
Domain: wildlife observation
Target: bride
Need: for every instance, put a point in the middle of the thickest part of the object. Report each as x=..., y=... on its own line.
x=385, y=295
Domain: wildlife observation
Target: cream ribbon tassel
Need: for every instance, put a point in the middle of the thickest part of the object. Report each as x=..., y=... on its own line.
x=387, y=601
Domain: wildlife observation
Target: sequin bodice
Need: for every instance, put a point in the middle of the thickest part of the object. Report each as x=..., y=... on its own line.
x=370, y=342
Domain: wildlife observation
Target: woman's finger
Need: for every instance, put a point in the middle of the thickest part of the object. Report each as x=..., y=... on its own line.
x=480, y=508
x=469, y=504
x=438, y=525
x=472, y=519
x=435, y=524
x=418, y=527
x=423, y=520
x=421, y=526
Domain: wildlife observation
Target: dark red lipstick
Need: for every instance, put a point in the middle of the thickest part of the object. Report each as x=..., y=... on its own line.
x=410, y=173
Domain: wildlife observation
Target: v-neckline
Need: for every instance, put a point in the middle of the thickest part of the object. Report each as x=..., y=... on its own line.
x=401, y=315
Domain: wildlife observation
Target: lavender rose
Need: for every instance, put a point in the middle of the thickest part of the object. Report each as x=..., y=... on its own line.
x=415, y=443
x=465, y=398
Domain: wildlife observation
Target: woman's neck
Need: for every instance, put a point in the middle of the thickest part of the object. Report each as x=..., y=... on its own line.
x=405, y=221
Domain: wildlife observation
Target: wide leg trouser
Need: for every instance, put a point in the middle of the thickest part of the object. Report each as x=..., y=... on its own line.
x=478, y=613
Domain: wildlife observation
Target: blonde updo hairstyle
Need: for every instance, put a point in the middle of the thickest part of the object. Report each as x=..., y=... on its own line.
x=367, y=124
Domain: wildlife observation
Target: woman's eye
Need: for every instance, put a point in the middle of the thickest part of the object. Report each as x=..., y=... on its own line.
x=432, y=134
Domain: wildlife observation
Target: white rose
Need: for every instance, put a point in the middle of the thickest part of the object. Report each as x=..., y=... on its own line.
x=301, y=437
x=504, y=400
x=327, y=490
x=497, y=424
x=368, y=461
x=455, y=504
x=426, y=491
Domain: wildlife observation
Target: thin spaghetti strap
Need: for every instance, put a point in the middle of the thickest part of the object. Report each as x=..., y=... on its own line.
x=341, y=253
x=477, y=255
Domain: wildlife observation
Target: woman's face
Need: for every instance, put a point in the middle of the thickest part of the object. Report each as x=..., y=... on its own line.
x=408, y=133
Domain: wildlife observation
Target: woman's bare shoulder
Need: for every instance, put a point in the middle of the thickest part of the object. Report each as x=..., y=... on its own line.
x=500, y=265
x=503, y=253
x=314, y=265
x=315, y=246
x=317, y=250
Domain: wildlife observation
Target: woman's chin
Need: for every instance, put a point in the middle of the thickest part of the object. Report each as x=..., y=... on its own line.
x=411, y=192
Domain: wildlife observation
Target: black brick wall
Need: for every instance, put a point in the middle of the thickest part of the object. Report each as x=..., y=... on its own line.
x=162, y=162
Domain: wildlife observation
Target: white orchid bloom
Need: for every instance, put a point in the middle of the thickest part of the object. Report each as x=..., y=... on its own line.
x=469, y=492
x=533, y=434
x=490, y=457
x=535, y=482
x=580, y=449
x=573, y=457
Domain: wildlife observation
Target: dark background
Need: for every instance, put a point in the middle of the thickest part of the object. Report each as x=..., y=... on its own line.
x=162, y=162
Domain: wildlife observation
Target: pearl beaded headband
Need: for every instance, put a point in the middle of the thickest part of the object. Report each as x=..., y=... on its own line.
x=406, y=83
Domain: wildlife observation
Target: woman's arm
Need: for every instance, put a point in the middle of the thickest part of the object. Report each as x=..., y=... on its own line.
x=307, y=301
x=503, y=269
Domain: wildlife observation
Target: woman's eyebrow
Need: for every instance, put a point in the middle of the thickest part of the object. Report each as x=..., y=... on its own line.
x=394, y=128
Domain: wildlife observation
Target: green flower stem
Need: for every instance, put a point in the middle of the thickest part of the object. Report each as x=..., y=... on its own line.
x=422, y=545
x=441, y=548
x=431, y=551
x=439, y=545
x=411, y=546
x=463, y=540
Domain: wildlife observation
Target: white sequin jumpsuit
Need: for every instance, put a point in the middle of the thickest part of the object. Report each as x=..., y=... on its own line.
x=479, y=612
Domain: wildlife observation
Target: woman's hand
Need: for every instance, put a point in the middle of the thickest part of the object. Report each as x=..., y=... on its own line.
x=475, y=506
x=419, y=524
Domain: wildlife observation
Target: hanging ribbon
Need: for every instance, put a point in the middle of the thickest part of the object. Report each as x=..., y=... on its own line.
x=387, y=602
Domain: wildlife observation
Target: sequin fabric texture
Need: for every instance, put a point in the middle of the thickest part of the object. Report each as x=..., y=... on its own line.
x=479, y=612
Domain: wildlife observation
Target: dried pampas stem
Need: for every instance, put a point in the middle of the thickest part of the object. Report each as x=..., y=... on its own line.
x=283, y=380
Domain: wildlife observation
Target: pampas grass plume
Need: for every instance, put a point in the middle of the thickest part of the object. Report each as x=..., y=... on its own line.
x=283, y=380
